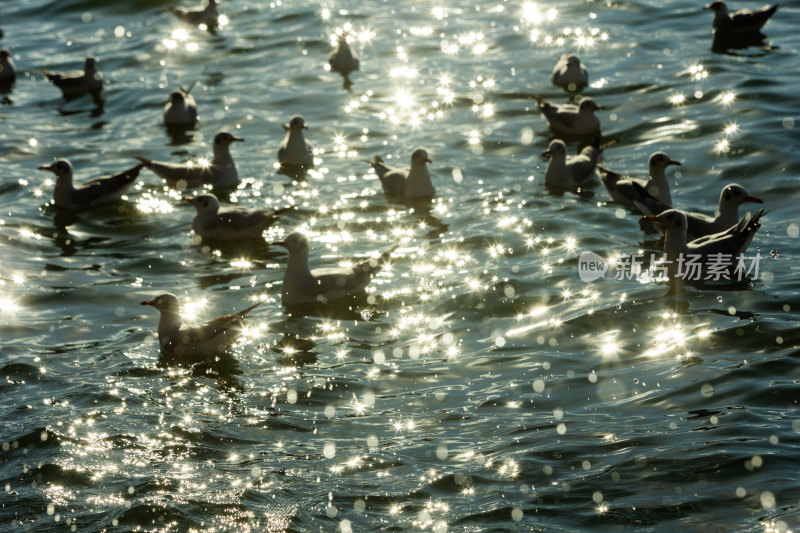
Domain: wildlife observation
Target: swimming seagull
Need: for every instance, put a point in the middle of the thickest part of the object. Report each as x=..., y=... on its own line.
x=570, y=172
x=95, y=193
x=622, y=191
x=220, y=173
x=194, y=344
x=294, y=151
x=303, y=286
x=744, y=21
x=343, y=60
x=79, y=82
x=207, y=14
x=8, y=71
x=570, y=74
x=570, y=120
x=180, y=109
x=414, y=182
x=731, y=242
x=698, y=224
x=229, y=224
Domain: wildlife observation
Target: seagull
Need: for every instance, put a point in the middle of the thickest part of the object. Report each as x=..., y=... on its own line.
x=180, y=109
x=199, y=344
x=96, y=193
x=570, y=120
x=414, y=182
x=303, y=286
x=294, y=151
x=699, y=224
x=342, y=59
x=220, y=173
x=8, y=71
x=229, y=224
x=744, y=21
x=731, y=243
x=206, y=15
x=570, y=74
x=570, y=172
x=79, y=82
x=622, y=191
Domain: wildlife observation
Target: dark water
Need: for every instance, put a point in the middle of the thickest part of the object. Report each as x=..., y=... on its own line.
x=488, y=388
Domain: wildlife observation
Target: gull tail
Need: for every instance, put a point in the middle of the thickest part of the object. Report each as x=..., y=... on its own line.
x=132, y=173
x=646, y=202
x=246, y=310
x=145, y=161
x=282, y=210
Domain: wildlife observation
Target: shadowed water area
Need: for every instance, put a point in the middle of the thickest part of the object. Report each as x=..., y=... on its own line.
x=480, y=384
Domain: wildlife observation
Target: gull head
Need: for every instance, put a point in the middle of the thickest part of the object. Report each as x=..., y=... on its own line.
x=587, y=105
x=205, y=203
x=4, y=53
x=717, y=7
x=90, y=64
x=61, y=168
x=294, y=242
x=419, y=157
x=296, y=123
x=556, y=150
x=573, y=60
x=669, y=219
x=176, y=97
x=737, y=195
x=165, y=303
x=659, y=161
x=224, y=139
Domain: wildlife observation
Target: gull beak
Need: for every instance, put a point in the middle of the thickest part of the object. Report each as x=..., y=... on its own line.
x=185, y=199
x=146, y=302
x=671, y=162
x=305, y=127
x=650, y=218
x=547, y=153
x=754, y=199
x=45, y=167
x=428, y=160
x=285, y=127
x=707, y=6
x=601, y=108
x=280, y=243
x=238, y=139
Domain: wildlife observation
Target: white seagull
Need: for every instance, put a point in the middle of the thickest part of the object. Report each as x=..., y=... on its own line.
x=623, y=192
x=414, y=182
x=180, y=109
x=189, y=345
x=220, y=173
x=570, y=172
x=731, y=243
x=570, y=120
x=79, y=82
x=207, y=14
x=699, y=224
x=294, y=151
x=8, y=71
x=744, y=21
x=570, y=74
x=229, y=224
x=95, y=193
x=303, y=286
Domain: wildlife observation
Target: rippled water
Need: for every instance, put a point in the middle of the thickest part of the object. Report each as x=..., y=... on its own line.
x=488, y=388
